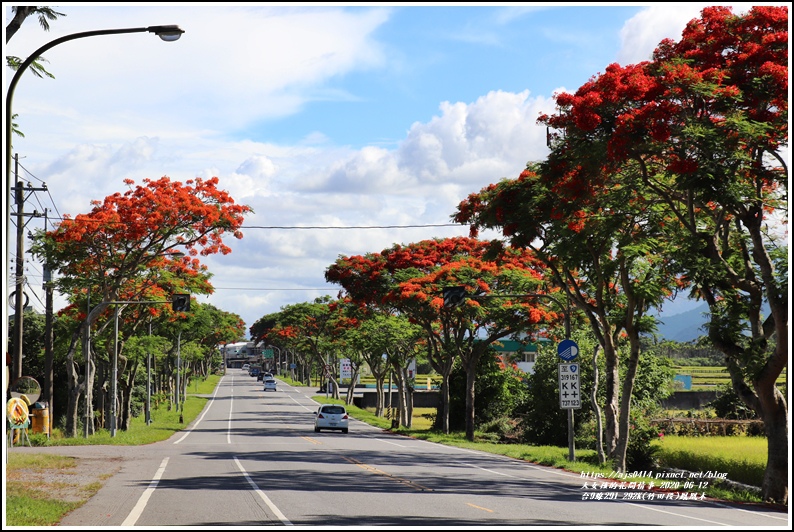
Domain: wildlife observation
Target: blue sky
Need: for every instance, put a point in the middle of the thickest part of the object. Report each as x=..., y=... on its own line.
x=374, y=116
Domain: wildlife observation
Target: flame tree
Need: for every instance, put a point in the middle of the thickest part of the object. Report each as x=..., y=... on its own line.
x=122, y=250
x=409, y=279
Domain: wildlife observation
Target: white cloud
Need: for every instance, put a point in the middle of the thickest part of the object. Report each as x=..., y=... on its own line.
x=474, y=144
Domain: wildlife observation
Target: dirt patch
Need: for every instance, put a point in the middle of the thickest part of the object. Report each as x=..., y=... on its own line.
x=72, y=484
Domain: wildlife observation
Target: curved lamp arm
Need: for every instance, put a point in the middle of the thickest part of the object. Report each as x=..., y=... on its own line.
x=167, y=33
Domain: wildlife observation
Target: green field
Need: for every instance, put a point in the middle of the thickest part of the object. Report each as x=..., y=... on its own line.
x=710, y=377
x=738, y=458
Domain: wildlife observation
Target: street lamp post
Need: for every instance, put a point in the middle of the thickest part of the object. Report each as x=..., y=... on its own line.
x=167, y=33
x=178, y=367
x=87, y=356
x=149, y=378
x=277, y=361
x=114, y=381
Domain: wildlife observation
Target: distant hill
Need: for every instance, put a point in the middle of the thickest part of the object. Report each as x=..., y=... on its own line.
x=685, y=326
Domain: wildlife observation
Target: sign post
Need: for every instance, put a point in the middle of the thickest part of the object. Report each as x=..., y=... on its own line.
x=570, y=396
x=568, y=373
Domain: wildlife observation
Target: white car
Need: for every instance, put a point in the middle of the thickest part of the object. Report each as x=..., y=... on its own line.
x=245, y=367
x=270, y=384
x=331, y=417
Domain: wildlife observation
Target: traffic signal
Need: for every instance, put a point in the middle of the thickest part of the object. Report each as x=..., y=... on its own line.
x=454, y=296
x=180, y=303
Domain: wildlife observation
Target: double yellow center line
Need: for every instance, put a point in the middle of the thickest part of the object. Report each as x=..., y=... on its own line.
x=405, y=481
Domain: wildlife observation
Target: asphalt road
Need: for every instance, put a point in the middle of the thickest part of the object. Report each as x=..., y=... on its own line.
x=252, y=458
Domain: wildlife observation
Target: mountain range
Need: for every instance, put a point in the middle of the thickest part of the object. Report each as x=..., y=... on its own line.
x=684, y=326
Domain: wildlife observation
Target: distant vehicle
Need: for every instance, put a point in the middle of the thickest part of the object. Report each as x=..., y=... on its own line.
x=254, y=371
x=270, y=384
x=331, y=417
x=260, y=376
x=246, y=367
x=267, y=374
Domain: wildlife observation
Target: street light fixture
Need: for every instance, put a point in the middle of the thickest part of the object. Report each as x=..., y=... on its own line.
x=168, y=33
x=148, y=413
x=178, y=369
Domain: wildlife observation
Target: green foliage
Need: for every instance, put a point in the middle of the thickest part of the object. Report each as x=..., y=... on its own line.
x=497, y=393
x=641, y=451
x=542, y=421
x=653, y=382
x=728, y=405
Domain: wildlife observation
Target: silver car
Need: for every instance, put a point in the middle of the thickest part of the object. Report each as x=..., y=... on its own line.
x=270, y=384
x=331, y=417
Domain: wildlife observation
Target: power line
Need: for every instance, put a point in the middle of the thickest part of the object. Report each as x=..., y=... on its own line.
x=348, y=227
x=52, y=200
x=273, y=289
x=59, y=217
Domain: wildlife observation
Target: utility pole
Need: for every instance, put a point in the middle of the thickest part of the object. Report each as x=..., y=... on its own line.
x=89, y=412
x=19, y=277
x=49, y=355
x=19, y=303
x=178, y=367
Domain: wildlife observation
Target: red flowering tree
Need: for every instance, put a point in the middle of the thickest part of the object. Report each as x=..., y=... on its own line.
x=409, y=280
x=696, y=137
x=123, y=251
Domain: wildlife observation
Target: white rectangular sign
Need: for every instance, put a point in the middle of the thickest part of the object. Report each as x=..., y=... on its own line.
x=345, y=369
x=570, y=394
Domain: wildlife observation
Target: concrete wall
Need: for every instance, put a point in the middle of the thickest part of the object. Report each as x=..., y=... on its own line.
x=422, y=399
x=425, y=399
x=689, y=400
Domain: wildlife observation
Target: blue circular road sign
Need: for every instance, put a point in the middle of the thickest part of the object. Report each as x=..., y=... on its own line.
x=568, y=350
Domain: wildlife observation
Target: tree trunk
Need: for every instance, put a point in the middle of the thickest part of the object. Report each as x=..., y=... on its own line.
x=442, y=421
x=351, y=388
x=619, y=456
x=407, y=401
x=397, y=420
x=380, y=381
x=103, y=395
x=332, y=380
x=126, y=394
x=611, y=407
x=74, y=387
x=775, y=416
x=74, y=392
x=471, y=377
x=597, y=410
